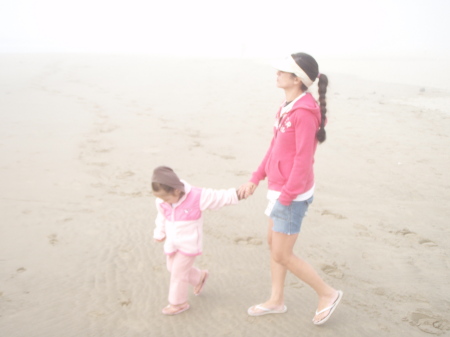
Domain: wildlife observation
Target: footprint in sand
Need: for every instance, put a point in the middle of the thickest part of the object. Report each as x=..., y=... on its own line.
x=145, y=113
x=125, y=175
x=295, y=284
x=103, y=149
x=242, y=173
x=335, y=215
x=125, y=303
x=415, y=237
x=53, y=239
x=248, y=241
x=157, y=268
x=406, y=232
x=133, y=194
x=333, y=271
x=18, y=271
x=96, y=314
x=107, y=128
x=429, y=323
x=98, y=164
x=427, y=243
x=362, y=230
x=195, y=144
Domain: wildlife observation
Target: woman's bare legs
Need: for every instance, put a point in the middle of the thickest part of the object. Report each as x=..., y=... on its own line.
x=278, y=274
x=282, y=259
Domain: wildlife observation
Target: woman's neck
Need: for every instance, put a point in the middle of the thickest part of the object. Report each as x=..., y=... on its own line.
x=292, y=93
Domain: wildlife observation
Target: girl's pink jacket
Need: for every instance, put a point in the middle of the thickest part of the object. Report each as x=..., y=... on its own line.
x=182, y=223
x=288, y=164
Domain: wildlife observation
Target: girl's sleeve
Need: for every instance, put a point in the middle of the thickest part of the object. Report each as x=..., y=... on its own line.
x=160, y=230
x=215, y=199
x=305, y=142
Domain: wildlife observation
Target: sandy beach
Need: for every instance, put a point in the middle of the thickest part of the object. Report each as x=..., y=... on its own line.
x=81, y=134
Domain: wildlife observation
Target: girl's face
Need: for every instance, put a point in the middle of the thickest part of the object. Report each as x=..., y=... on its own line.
x=287, y=80
x=170, y=198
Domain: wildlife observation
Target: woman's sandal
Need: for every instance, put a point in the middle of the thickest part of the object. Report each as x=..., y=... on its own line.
x=331, y=309
x=175, y=309
x=259, y=310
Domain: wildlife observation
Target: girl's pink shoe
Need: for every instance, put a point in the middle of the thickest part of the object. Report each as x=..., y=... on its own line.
x=198, y=289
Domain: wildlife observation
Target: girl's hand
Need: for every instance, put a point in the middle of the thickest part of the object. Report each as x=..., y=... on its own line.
x=246, y=190
x=159, y=240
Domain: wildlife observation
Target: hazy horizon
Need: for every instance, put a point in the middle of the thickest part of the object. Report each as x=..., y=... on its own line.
x=383, y=31
x=237, y=28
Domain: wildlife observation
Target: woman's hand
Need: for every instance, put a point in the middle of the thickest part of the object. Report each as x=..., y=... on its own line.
x=246, y=190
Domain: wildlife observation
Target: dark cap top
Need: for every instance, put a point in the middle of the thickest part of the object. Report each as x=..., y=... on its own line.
x=166, y=176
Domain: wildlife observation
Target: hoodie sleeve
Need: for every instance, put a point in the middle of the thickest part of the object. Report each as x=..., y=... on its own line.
x=260, y=173
x=159, y=232
x=215, y=199
x=306, y=126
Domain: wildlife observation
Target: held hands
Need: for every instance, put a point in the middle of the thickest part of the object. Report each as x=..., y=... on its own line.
x=246, y=190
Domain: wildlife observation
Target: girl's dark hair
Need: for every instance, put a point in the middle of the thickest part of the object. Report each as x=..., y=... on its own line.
x=156, y=187
x=311, y=68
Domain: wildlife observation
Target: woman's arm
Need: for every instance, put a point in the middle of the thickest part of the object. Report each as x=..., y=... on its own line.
x=306, y=126
x=260, y=173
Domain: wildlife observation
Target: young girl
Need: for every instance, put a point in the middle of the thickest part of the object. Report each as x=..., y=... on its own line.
x=179, y=223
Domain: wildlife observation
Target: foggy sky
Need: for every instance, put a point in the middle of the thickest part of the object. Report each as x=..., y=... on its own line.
x=232, y=28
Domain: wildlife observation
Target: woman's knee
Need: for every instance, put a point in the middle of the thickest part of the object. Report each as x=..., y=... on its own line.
x=280, y=257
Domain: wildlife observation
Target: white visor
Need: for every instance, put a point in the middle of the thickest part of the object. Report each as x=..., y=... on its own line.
x=288, y=65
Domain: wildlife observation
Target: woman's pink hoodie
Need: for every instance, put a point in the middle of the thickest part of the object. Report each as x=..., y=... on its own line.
x=288, y=164
x=182, y=223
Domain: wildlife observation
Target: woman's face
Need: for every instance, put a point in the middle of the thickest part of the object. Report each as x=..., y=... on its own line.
x=287, y=80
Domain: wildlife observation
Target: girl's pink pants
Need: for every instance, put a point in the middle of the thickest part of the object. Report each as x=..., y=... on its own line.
x=182, y=274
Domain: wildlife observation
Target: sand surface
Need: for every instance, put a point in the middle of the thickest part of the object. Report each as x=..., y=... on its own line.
x=81, y=134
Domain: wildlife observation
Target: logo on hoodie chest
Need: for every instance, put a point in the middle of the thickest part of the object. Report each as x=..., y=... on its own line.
x=285, y=125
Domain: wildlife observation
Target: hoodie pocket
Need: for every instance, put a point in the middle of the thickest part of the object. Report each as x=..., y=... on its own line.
x=275, y=174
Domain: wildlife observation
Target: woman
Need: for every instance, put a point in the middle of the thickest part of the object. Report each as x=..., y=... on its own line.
x=288, y=166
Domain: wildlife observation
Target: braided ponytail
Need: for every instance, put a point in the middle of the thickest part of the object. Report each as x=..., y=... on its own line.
x=309, y=65
x=321, y=134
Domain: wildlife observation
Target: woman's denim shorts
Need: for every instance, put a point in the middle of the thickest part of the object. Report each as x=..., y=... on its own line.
x=288, y=219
